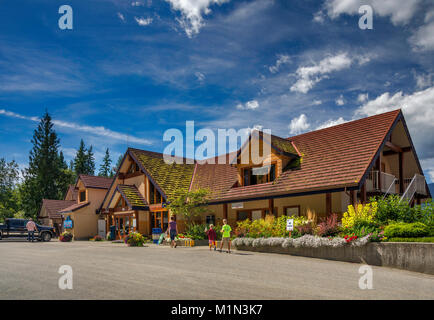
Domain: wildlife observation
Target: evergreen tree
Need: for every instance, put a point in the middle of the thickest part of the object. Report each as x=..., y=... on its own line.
x=80, y=160
x=9, y=202
x=105, y=170
x=90, y=162
x=43, y=175
x=118, y=163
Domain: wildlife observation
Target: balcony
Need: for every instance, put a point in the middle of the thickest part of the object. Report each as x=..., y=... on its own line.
x=381, y=182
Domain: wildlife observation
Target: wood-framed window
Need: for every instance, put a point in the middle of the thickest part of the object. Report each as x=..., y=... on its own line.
x=154, y=195
x=258, y=174
x=254, y=214
x=82, y=196
x=292, y=210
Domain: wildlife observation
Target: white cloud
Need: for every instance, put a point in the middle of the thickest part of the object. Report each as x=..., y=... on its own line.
x=317, y=102
x=309, y=76
x=340, y=101
x=399, y=11
x=428, y=166
x=319, y=17
x=97, y=131
x=423, y=80
x=121, y=16
x=423, y=38
x=192, y=12
x=143, y=22
x=331, y=123
x=299, y=125
x=137, y=4
x=200, y=76
x=281, y=60
x=250, y=105
x=362, y=97
x=418, y=109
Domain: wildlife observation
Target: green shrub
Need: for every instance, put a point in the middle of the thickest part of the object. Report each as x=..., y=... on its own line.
x=425, y=212
x=197, y=231
x=406, y=230
x=423, y=239
x=392, y=209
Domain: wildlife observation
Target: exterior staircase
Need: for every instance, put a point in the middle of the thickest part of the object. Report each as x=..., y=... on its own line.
x=417, y=185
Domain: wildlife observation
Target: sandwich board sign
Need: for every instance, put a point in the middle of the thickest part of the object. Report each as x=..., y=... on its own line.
x=289, y=224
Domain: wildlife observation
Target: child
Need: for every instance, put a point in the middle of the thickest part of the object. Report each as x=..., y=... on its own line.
x=226, y=238
x=212, y=237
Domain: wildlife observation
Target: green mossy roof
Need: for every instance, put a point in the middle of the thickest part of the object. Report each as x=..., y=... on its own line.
x=169, y=177
x=283, y=144
x=133, y=195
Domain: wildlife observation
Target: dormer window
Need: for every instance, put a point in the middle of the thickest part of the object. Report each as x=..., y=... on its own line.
x=257, y=175
x=82, y=196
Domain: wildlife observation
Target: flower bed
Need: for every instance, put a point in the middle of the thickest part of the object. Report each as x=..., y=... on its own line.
x=135, y=239
x=306, y=241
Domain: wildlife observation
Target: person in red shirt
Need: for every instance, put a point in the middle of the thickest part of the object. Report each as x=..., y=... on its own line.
x=31, y=228
x=212, y=237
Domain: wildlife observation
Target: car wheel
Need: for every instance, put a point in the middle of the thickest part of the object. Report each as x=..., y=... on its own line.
x=46, y=236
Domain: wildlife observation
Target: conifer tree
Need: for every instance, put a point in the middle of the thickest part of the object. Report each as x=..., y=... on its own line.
x=44, y=173
x=105, y=170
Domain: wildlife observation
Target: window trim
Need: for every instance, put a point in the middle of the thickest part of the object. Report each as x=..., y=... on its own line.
x=259, y=166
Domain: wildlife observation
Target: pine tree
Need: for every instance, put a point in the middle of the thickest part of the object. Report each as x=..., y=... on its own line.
x=42, y=177
x=80, y=160
x=105, y=170
x=119, y=162
x=90, y=162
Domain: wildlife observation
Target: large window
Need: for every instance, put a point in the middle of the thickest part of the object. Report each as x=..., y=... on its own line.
x=154, y=195
x=292, y=211
x=258, y=175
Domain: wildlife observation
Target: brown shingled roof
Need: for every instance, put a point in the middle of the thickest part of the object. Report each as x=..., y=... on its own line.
x=74, y=207
x=73, y=191
x=331, y=158
x=54, y=206
x=96, y=182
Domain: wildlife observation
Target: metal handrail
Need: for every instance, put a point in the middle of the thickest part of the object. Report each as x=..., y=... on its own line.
x=417, y=184
x=388, y=189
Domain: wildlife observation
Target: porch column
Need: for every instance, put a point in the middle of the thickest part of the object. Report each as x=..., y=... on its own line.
x=271, y=206
x=379, y=170
x=225, y=211
x=353, y=197
x=401, y=172
x=328, y=204
x=363, y=193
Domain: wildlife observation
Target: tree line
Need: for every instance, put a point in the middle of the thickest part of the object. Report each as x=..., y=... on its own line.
x=47, y=175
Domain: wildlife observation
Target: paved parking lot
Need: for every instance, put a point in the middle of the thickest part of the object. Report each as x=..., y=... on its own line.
x=104, y=270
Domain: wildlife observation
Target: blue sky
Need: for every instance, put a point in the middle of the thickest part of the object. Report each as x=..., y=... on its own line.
x=129, y=70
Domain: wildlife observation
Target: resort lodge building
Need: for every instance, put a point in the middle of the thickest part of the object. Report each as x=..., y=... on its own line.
x=77, y=212
x=313, y=174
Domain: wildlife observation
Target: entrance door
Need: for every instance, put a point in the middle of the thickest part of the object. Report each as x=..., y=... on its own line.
x=160, y=219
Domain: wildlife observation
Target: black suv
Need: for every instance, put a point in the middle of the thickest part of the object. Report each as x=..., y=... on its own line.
x=17, y=228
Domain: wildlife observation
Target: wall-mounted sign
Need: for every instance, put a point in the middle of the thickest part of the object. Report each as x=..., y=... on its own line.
x=237, y=205
x=289, y=224
x=68, y=223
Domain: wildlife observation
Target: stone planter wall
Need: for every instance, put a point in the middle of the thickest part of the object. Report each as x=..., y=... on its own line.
x=417, y=257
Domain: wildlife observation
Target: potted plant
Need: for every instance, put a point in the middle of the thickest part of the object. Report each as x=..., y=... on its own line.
x=66, y=236
x=135, y=239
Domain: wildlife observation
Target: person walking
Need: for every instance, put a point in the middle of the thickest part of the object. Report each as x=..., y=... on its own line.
x=226, y=237
x=172, y=230
x=212, y=237
x=31, y=228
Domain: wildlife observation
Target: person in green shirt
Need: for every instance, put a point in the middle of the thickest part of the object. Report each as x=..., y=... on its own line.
x=226, y=237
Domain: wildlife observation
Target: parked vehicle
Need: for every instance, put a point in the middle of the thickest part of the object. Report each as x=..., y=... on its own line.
x=13, y=228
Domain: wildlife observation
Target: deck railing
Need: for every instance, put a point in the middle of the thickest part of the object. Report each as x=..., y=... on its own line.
x=387, y=182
